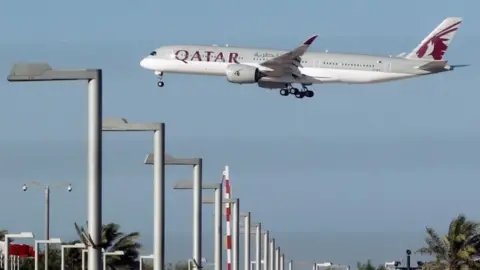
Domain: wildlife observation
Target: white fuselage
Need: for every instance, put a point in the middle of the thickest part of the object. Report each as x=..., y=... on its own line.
x=318, y=67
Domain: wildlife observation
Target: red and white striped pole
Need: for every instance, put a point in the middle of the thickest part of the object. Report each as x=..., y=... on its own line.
x=228, y=195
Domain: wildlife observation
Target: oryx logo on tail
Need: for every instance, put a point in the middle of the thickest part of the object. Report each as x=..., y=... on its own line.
x=437, y=45
x=434, y=46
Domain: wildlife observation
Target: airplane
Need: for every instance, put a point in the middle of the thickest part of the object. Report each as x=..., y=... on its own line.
x=280, y=69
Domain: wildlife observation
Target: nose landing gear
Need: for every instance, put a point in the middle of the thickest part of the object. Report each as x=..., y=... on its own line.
x=159, y=74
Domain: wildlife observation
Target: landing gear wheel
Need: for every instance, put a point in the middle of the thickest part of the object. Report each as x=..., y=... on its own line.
x=160, y=84
x=300, y=94
x=284, y=92
x=309, y=93
x=294, y=91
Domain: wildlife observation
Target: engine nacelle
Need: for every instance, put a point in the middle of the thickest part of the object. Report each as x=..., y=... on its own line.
x=272, y=85
x=238, y=73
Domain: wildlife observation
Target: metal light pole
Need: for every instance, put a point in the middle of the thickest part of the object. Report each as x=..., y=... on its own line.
x=236, y=228
x=16, y=262
x=277, y=259
x=290, y=265
x=29, y=72
x=143, y=257
x=282, y=261
x=247, y=240
x=62, y=252
x=47, y=189
x=113, y=253
x=197, y=199
x=84, y=255
x=409, y=265
x=258, y=260
x=218, y=201
x=158, y=129
x=266, y=251
x=37, y=247
x=272, y=254
x=258, y=245
x=236, y=234
x=21, y=235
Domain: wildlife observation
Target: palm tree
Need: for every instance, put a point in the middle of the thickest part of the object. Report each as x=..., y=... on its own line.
x=454, y=250
x=115, y=240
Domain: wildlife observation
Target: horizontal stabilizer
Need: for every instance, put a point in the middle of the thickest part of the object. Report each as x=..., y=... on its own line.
x=433, y=65
x=457, y=66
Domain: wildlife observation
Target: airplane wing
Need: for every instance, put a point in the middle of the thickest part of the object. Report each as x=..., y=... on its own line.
x=288, y=63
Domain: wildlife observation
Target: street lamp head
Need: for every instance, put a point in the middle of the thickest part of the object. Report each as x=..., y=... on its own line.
x=20, y=235
x=188, y=184
x=115, y=253
x=24, y=187
x=151, y=256
x=171, y=160
x=31, y=72
x=76, y=245
x=115, y=121
x=122, y=124
x=27, y=234
x=50, y=241
x=69, y=188
x=24, y=71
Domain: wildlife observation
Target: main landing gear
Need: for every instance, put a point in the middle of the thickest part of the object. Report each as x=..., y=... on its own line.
x=159, y=74
x=290, y=90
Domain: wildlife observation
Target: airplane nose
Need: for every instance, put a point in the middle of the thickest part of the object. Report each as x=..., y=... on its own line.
x=143, y=63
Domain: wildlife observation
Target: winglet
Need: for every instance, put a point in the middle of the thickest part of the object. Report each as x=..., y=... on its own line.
x=310, y=40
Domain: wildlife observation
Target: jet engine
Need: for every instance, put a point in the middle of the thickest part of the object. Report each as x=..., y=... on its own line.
x=272, y=85
x=238, y=73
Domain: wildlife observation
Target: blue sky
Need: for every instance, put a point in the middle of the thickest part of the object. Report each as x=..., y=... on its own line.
x=355, y=173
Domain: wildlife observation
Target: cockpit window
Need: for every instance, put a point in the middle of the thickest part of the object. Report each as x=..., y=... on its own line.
x=153, y=53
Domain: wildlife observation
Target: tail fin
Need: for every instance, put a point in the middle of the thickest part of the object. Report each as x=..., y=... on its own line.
x=434, y=46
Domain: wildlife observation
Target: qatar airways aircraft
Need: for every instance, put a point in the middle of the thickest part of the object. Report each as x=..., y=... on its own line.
x=279, y=69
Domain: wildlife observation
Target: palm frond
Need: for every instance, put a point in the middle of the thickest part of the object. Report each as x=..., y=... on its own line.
x=457, y=248
x=115, y=240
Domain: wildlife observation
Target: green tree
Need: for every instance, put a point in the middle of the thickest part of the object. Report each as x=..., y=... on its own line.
x=369, y=266
x=182, y=265
x=2, y=234
x=456, y=248
x=381, y=267
x=73, y=256
x=115, y=240
x=53, y=260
